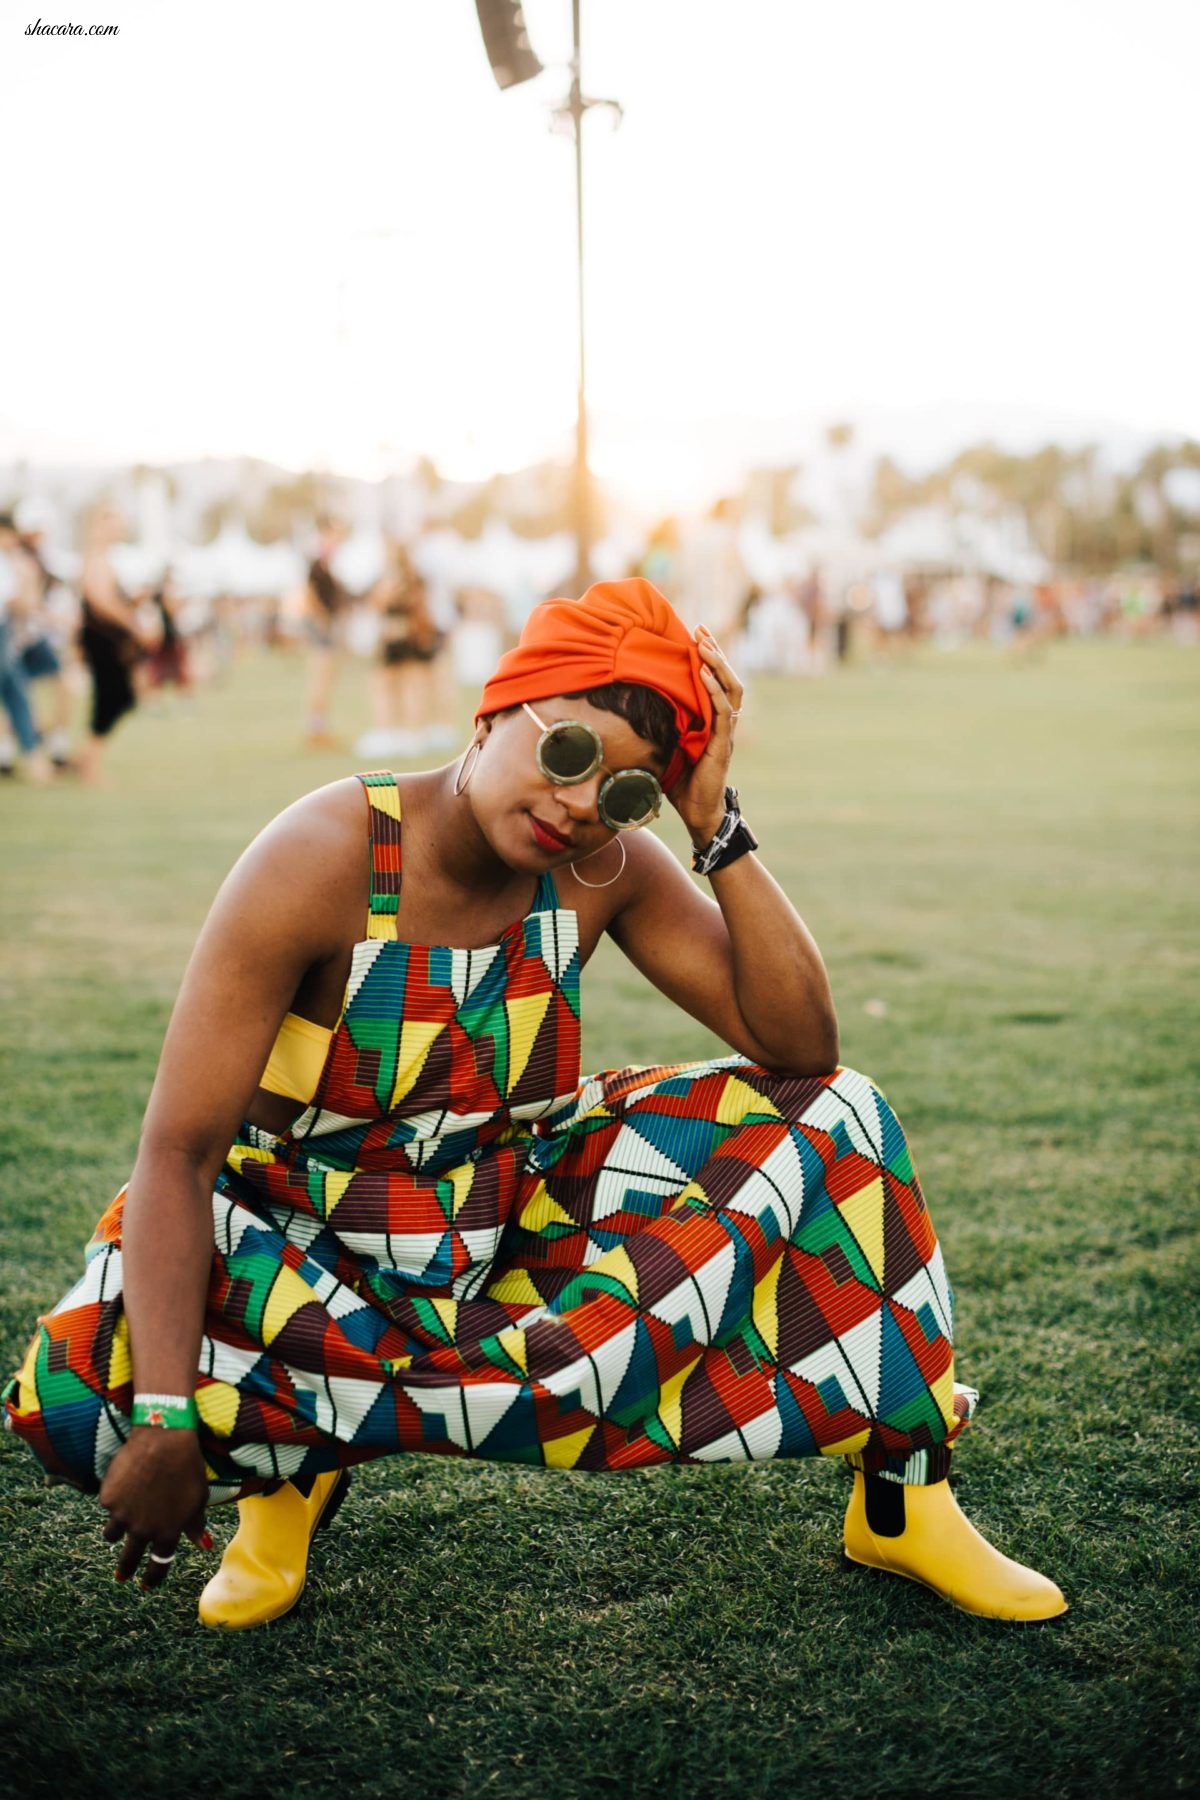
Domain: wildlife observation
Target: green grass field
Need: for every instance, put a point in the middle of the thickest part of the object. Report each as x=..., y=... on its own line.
x=1000, y=863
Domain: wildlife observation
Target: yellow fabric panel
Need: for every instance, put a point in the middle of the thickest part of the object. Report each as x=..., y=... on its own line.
x=335, y=1183
x=863, y=1213
x=693, y=1191
x=120, y=1364
x=514, y=1288
x=737, y=1099
x=447, y=1312
x=461, y=1180
x=218, y=1407
x=619, y=1266
x=244, y=1153
x=297, y=1058
x=849, y=1445
x=288, y=1294
x=541, y=1210
x=765, y=1310
x=943, y=1394
x=25, y=1401
x=512, y=1342
x=565, y=1452
x=416, y=1035
x=386, y=800
x=670, y=1403
x=525, y=1015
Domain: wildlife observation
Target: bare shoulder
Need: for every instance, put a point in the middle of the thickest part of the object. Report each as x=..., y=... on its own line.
x=311, y=862
x=328, y=824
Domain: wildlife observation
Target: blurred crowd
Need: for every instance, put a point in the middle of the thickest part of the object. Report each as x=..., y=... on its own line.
x=806, y=625
x=66, y=640
x=87, y=634
x=805, y=622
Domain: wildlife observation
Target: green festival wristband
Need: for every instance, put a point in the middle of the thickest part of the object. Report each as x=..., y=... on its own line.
x=169, y=1412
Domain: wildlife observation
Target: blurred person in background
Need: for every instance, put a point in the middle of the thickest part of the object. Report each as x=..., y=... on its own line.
x=481, y=635
x=404, y=689
x=1184, y=616
x=773, y=631
x=168, y=664
x=659, y=561
x=890, y=608
x=813, y=600
x=1022, y=612
x=325, y=605
x=442, y=599
x=377, y=1210
x=46, y=637
x=18, y=601
x=713, y=578
x=109, y=639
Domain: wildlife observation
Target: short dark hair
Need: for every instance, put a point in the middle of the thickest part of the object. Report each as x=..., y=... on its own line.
x=643, y=708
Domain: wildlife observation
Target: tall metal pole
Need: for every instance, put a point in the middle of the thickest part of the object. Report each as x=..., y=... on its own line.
x=583, y=485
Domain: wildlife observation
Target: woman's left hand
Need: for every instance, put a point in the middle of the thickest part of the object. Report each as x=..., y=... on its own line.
x=699, y=798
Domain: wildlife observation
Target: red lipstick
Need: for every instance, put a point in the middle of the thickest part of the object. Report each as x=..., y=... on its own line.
x=547, y=837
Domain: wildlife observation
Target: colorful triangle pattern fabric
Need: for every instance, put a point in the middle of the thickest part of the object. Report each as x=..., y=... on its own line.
x=462, y=1248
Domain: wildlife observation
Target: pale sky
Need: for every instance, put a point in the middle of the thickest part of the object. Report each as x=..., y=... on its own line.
x=320, y=233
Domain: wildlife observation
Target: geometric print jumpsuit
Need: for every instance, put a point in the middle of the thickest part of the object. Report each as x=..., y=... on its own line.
x=461, y=1248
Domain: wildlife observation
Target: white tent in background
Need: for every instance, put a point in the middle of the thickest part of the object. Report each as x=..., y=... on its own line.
x=360, y=561
x=521, y=570
x=933, y=537
x=136, y=566
x=234, y=564
x=837, y=551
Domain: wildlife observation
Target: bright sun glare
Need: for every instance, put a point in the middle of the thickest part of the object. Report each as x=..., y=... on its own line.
x=261, y=231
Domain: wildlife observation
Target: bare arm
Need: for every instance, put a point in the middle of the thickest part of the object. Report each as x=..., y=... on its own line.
x=744, y=963
x=280, y=913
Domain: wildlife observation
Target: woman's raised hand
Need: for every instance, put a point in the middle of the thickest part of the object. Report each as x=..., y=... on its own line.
x=155, y=1492
x=699, y=798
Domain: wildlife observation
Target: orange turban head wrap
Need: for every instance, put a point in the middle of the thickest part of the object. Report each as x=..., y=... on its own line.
x=619, y=631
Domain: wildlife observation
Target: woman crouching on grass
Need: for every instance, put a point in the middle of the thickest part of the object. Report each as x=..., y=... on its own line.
x=375, y=1208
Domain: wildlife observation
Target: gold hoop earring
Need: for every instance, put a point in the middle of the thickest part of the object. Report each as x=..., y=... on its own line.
x=611, y=879
x=462, y=781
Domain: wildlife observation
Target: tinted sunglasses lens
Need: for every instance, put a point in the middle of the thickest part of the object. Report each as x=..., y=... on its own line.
x=630, y=799
x=569, y=752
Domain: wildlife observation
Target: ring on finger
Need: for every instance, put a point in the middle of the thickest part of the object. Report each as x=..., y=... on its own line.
x=164, y=1560
x=735, y=712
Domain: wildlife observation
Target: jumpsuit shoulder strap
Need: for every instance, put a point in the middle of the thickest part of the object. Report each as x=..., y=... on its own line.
x=546, y=897
x=383, y=823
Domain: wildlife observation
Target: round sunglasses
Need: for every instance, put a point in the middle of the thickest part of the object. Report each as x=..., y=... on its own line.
x=569, y=751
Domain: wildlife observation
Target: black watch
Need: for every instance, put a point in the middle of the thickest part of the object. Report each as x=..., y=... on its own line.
x=733, y=838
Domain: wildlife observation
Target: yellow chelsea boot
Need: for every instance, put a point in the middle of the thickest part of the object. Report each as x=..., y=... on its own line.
x=921, y=1533
x=263, y=1570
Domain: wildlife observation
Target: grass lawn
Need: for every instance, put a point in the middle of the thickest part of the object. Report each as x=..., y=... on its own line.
x=999, y=860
